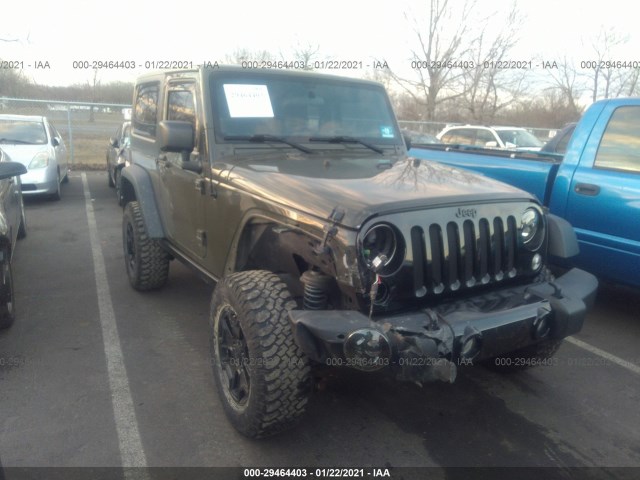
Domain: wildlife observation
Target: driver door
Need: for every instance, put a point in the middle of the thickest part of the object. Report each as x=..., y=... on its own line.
x=184, y=188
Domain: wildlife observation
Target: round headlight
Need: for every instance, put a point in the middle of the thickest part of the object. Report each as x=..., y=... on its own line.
x=531, y=231
x=382, y=248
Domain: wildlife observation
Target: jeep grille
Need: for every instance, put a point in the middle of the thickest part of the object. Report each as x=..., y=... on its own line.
x=463, y=254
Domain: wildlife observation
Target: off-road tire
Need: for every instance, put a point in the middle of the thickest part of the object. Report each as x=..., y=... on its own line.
x=7, y=294
x=254, y=305
x=534, y=355
x=146, y=262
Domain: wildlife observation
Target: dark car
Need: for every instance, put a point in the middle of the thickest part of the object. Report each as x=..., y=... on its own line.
x=118, y=156
x=558, y=144
x=13, y=226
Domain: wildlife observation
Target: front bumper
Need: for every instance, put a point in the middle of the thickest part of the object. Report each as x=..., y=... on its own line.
x=426, y=345
x=40, y=181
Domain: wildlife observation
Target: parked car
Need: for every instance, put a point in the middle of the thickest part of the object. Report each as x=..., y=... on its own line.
x=118, y=155
x=35, y=142
x=333, y=249
x=506, y=138
x=595, y=186
x=13, y=225
x=560, y=141
x=418, y=138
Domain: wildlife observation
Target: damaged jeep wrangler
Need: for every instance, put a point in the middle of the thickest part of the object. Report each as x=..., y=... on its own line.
x=293, y=192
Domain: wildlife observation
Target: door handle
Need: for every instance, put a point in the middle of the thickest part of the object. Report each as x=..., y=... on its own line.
x=587, y=189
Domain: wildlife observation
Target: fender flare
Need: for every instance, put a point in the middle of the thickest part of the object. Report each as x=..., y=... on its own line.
x=563, y=242
x=136, y=185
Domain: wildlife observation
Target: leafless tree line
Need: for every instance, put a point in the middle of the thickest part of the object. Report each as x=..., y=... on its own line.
x=552, y=91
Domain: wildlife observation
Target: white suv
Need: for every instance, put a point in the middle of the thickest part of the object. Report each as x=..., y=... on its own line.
x=508, y=138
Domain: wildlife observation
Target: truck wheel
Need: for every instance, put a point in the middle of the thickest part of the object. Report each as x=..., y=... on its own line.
x=527, y=357
x=263, y=378
x=7, y=296
x=146, y=261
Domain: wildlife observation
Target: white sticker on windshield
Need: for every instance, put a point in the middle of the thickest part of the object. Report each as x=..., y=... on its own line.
x=248, y=101
x=386, y=132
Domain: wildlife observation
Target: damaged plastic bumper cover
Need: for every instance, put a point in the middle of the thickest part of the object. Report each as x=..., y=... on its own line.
x=426, y=345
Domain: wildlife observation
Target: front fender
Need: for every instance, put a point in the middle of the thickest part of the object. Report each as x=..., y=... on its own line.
x=136, y=185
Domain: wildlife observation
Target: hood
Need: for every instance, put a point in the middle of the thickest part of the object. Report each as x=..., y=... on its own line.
x=364, y=186
x=24, y=153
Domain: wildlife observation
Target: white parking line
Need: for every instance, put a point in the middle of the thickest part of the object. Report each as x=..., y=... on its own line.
x=131, y=450
x=632, y=367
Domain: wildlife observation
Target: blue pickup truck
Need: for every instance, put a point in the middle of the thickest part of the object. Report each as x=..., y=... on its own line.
x=595, y=186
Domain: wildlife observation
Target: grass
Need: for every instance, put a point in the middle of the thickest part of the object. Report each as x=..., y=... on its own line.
x=89, y=152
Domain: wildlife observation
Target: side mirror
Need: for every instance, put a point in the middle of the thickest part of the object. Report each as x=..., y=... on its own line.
x=55, y=142
x=114, y=142
x=175, y=136
x=11, y=169
x=491, y=144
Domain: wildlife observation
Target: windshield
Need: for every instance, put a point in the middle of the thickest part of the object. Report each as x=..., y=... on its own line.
x=520, y=138
x=22, y=132
x=301, y=108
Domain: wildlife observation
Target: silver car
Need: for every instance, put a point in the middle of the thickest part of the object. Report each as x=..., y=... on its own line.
x=34, y=142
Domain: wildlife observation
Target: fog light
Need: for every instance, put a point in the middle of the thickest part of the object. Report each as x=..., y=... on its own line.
x=471, y=343
x=536, y=261
x=471, y=346
x=542, y=324
x=367, y=349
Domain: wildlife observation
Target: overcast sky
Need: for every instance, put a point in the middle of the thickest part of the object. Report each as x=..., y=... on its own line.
x=64, y=31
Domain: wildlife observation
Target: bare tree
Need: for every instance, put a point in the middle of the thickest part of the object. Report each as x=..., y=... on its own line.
x=241, y=55
x=567, y=81
x=606, y=79
x=439, y=44
x=489, y=88
x=305, y=54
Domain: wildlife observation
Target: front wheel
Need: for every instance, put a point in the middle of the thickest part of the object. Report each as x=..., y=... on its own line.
x=262, y=376
x=147, y=263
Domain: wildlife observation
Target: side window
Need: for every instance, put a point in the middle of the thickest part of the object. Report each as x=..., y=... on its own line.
x=484, y=136
x=618, y=148
x=181, y=106
x=459, y=136
x=145, y=110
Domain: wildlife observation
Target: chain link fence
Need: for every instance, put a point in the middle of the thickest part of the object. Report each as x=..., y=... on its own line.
x=85, y=127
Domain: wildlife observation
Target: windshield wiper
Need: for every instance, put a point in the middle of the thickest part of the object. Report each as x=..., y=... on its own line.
x=345, y=139
x=13, y=140
x=264, y=138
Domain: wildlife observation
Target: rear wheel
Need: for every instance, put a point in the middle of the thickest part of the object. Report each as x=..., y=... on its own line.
x=7, y=296
x=147, y=263
x=263, y=378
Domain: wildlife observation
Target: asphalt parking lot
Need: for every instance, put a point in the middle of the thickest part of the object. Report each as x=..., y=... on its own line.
x=94, y=374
